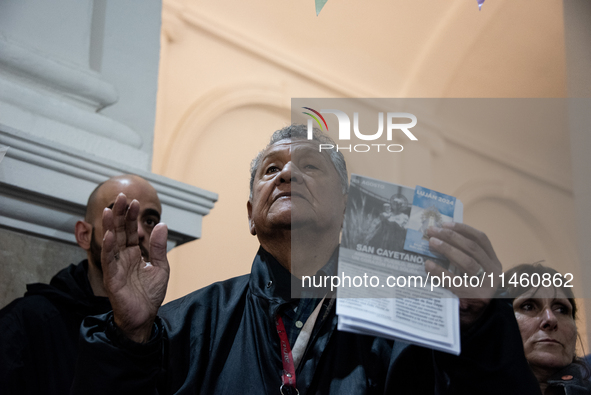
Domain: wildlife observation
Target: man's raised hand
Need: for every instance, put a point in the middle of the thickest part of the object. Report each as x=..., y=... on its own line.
x=135, y=288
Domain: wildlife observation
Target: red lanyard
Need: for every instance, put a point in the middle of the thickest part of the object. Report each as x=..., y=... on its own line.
x=288, y=378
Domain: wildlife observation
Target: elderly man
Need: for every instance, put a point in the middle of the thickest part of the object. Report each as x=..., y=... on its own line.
x=39, y=332
x=247, y=335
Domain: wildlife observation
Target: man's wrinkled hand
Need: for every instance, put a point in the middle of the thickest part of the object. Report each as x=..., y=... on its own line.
x=135, y=288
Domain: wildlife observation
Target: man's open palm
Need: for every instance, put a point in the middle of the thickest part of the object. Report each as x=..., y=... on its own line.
x=135, y=288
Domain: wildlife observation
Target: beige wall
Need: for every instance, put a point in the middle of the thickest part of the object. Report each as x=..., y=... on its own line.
x=229, y=69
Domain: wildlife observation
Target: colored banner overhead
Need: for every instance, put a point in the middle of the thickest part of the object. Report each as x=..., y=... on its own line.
x=320, y=4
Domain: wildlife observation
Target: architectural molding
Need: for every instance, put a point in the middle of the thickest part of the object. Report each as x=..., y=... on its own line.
x=309, y=71
x=60, y=101
x=475, y=191
x=173, y=26
x=441, y=33
x=44, y=187
x=212, y=105
x=59, y=113
x=68, y=79
x=497, y=154
x=431, y=133
x=463, y=137
x=262, y=49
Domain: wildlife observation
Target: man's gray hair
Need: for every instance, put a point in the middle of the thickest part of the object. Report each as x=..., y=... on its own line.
x=296, y=131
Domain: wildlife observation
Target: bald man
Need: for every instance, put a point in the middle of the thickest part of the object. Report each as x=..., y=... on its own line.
x=39, y=332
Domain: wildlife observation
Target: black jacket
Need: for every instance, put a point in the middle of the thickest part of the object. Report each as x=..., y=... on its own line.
x=222, y=340
x=569, y=381
x=39, y=333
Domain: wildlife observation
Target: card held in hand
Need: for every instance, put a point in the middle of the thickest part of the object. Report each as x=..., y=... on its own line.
x=429, y=208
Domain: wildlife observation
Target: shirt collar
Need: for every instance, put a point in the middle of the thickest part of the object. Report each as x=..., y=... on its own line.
x=278, y=282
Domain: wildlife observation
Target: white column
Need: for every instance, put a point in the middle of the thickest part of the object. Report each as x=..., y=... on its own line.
x=78, y=82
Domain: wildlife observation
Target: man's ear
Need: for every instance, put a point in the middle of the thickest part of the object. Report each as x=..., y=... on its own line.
x=83, y=232
x=250, y=220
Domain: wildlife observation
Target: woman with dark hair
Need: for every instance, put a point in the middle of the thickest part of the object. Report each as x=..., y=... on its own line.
x=547, y=322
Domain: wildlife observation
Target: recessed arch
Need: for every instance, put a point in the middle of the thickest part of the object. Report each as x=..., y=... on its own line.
x=207, y=108
x=509, y=202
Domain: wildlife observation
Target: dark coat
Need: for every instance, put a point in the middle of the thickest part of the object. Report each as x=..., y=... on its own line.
x=569, y=381
x=222, y=340
x=39, y=333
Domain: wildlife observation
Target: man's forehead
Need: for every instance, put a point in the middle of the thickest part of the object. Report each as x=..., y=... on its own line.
x=132, y=187
x=289, y=146
x=111, y=188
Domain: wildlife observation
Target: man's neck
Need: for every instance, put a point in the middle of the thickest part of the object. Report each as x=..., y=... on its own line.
x=95, y=277
x=301, y=253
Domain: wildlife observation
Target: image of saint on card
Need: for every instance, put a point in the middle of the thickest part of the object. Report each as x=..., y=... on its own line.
x=376, y=216
x=429, y=208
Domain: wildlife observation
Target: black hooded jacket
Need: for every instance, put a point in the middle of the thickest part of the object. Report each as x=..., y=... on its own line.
x=39, y=333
